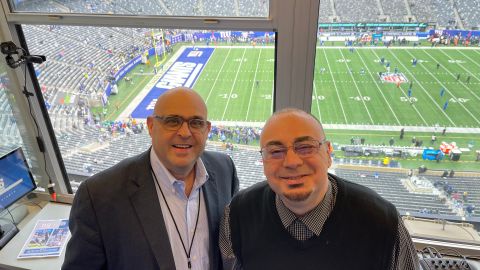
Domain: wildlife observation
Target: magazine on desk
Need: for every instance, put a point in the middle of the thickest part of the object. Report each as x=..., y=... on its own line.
x=47, y=239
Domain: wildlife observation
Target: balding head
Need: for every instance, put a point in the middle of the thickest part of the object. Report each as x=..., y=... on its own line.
x=293, y=113
x=178, y=150
x=299, y=177
x=179, y=98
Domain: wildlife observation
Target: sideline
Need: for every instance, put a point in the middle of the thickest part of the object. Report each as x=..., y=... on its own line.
x=143, y=93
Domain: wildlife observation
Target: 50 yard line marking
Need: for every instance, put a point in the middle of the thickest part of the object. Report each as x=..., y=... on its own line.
x=253, y=84
x=413, y=105
x=358, y=89
x=335, y=85
x=424, y=90
x=233, y=85
x=218, y=75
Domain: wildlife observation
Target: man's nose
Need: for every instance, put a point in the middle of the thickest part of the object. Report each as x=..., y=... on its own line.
x=292, y=160
x=184, y=130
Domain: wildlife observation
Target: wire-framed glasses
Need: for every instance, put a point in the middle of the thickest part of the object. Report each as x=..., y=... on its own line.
x=303, y=149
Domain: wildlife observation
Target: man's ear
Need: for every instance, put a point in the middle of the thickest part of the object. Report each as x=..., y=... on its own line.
x=329, y=147
x=150, y=124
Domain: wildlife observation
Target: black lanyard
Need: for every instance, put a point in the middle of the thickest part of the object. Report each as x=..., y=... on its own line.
x=189, y=263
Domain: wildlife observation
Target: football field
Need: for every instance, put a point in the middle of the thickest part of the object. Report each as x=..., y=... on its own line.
x=237, y=84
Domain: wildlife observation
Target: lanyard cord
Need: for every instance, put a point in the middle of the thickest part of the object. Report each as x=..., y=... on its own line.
x=176, y=227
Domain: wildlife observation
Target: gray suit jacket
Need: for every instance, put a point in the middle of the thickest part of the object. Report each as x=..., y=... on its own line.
x=117, y=223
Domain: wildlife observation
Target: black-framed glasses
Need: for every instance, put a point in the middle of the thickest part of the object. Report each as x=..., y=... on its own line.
x=303, y=149
x=174, y=123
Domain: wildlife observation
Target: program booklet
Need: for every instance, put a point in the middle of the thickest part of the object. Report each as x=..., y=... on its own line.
x=47, y=239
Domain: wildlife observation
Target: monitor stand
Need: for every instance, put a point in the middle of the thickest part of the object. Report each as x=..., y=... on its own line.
x=7, y=232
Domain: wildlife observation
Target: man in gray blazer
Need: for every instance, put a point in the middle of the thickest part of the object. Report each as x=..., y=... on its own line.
x=160, y=209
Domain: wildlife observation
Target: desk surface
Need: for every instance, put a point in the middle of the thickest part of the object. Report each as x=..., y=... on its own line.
x=8, y=255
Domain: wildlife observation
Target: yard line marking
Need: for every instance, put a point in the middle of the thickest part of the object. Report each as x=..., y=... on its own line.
x=448, y=91
x=473, y=60
x=336, y=89
x=425, y=90
x=253, y=84
x=403, y=92
x=316, y=95
x=463, y=84
x=218, y=75
x=378, y=87
x=358, y=90
x=233, y=84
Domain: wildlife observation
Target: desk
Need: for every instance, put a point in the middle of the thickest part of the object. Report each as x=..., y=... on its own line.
x=8, y=255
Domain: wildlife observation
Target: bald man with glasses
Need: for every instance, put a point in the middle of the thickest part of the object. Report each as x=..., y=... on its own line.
x=302, y=217
x=160, y=209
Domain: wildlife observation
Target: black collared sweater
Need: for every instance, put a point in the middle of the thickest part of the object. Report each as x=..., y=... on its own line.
x=360, y=232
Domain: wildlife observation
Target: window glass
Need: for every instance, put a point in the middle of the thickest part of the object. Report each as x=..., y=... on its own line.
x=398, y=99
x=100, y=84
x=238, y=8
x=11, y=124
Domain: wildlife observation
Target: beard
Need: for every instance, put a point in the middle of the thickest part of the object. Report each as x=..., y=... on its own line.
x=297, y=196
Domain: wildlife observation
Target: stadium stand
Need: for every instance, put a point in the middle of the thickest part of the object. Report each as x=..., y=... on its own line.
x=357, y=11
x=469, y=16
x=389, y=186
x=395, y=9
x=442, y=12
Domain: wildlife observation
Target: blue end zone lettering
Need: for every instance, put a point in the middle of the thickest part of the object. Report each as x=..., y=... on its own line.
x=184, y=72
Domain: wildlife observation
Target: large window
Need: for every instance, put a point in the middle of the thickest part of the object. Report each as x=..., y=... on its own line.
x=99, y=84
x=398, y=100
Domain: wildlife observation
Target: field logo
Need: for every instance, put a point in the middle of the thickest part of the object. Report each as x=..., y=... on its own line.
x=393, y=77
x=195, y=54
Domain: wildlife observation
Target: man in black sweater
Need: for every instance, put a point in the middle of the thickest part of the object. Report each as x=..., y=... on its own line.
x=302, y=217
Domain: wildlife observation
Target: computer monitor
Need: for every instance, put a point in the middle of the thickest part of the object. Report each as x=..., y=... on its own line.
x=16, y=181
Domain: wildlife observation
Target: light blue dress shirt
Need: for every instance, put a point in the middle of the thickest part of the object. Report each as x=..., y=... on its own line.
x=184, y=210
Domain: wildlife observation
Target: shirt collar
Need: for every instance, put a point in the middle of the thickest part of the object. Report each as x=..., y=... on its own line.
x=166, y=178
x=315, y=219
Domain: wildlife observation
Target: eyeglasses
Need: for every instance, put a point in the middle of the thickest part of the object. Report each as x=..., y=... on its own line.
x=303, y=149
x=174, y=123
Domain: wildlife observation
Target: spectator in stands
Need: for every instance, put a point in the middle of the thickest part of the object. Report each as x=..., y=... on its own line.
x=165, y=201
x=304, y=216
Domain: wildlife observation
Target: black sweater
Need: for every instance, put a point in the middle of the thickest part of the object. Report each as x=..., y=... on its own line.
x=359, y=233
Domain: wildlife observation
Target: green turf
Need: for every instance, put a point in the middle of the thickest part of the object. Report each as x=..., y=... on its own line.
x=343, y=96
x=228, y=84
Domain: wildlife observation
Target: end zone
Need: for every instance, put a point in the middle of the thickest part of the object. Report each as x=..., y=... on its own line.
x=183, y=72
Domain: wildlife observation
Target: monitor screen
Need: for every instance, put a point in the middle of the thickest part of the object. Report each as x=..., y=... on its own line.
x=16, y=180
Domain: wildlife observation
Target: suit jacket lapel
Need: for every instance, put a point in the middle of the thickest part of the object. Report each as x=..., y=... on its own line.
x=144, y=199
x=211, y=201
